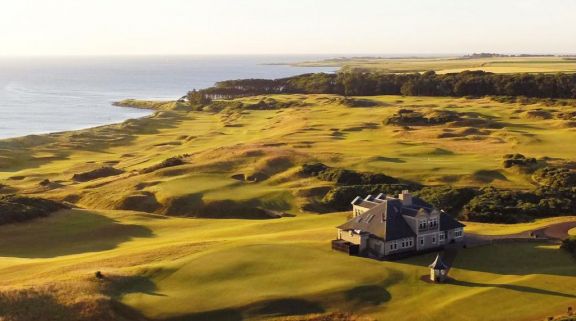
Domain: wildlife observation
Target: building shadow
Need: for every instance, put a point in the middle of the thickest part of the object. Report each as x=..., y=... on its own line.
x=511, y=287
x=504, y=258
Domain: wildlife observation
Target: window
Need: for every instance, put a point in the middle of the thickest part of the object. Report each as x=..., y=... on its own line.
x=422, y=225
x=391, y=247
x=421, y=241
x=403, y=244
x=441, y=237
x=433, y=223
x=458, y=233
x=433, y=239
x=410, y=243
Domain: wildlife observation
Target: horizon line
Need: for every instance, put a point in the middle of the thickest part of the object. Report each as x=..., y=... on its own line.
x=334, y=55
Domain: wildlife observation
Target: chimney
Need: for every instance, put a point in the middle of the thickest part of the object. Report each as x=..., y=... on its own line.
x=406, y=198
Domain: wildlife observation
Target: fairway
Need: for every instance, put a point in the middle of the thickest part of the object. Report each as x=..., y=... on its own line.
x=325, y=160
x=161, y=267
x=279, y=267
x=503, y=229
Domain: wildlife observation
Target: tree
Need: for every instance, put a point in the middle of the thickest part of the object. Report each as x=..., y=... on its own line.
x=196, y=98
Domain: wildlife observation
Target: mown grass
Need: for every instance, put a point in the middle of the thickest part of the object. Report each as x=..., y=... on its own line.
x=222, y=269
x=503, y=229
x=261, y=269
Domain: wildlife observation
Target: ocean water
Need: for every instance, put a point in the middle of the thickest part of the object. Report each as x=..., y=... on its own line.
x=51, y=94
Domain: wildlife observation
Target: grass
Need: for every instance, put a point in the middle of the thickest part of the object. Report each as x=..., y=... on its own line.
x=262, y=269
x=453, y=64
x=503, y=229
x=228, y=269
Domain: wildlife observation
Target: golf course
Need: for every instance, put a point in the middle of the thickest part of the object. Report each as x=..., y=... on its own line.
x=205, y=215
x=444, y=65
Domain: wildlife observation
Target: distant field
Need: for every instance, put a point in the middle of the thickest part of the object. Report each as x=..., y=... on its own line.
x=452, y=65
x=170, y=268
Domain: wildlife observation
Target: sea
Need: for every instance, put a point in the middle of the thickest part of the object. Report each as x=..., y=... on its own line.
x=52, y=94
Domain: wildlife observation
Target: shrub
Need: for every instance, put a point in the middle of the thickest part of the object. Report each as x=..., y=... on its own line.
x=511, y=160
x=169, y=162
x=569, y=245
x=15, y=208
x=496, y=206
x=101, y=172
x=313, y=169
x=555, y=177
x=451, y=200
x=345, y=176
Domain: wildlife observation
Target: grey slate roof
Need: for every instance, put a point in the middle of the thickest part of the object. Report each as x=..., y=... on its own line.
x=449, y=223
x=367, y=204
x=385, y=220
x=438, y=264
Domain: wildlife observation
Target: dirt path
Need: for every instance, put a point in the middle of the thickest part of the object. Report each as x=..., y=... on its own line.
x=553, y=232
x=556, y=231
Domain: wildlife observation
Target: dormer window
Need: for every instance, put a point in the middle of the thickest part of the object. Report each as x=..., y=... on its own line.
x=423, y=225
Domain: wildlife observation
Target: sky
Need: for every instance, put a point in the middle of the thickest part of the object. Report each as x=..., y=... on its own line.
x=345, y=27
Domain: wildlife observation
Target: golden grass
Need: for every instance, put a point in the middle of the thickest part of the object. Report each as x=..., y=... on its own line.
x=260, y=270
x=453, y=64
x=216, y=269
x=503, y=229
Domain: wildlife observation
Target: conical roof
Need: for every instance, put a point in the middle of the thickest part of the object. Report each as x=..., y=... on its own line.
x=438, y=264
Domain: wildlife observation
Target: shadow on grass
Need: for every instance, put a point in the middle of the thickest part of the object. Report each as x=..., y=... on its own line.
x=268, y=309
x=355, y=298
x=512, y=287
x=285, y=307
x=122, y=285
x=216, y=315
x=388, y=159
x=488, y=176
x=66, y=233
x=368, y=294
x=510, y=258
x=28, y=304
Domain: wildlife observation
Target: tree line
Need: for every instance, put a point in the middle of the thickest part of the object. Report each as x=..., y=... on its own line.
x=463, y=84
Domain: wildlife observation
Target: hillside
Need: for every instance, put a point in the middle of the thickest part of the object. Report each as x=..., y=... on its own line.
x=136, y=185
x=180, y=162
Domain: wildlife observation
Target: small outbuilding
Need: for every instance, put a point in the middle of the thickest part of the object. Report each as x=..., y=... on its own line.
x=438, y=270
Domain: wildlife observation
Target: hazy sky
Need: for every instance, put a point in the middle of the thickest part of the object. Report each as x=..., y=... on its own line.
x=96, y=27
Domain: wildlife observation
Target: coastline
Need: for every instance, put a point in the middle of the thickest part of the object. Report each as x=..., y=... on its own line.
x=76, y=93
x=152, y=113
x=44, y=148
